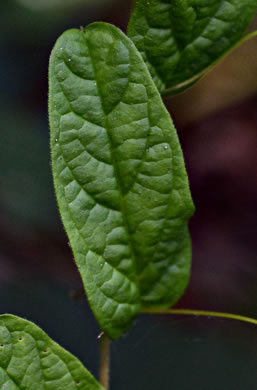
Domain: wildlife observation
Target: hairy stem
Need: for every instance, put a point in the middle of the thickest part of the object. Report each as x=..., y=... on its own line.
x=202, y=313
x=104, y=361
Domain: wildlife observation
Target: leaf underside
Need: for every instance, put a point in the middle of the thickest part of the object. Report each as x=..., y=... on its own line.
x=178, y=39
x=30, y=360
x=119, y=176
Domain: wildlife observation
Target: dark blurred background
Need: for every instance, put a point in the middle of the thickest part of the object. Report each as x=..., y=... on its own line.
x=217, y=125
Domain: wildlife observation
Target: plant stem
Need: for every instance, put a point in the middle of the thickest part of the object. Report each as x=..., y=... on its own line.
x=202, y=313
x=104, y=361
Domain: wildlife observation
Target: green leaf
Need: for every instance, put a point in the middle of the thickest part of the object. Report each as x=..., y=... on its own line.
x=178, y=39
x=119, y=176
x=30, y=360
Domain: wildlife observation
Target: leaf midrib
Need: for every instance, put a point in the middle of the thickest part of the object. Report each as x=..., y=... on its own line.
x=133, y=256
x=113, y=160
x=156, y=70
x=97, y=202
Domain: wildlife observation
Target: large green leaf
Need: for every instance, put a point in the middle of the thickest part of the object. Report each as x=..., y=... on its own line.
x=30, y=360
x=178, y=39
x=119, y=176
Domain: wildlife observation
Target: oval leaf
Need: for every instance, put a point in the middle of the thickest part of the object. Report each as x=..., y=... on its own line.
x=178, y=39
x=30, y=360
x=119, y=176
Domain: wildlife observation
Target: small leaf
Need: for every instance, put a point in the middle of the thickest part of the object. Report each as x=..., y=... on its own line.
x=30, y=360
x=119, y=176
x=178, y=39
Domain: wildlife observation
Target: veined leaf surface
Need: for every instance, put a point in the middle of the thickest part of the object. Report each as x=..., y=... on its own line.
x=178, y=39
x=30, y=360
x=119, y=176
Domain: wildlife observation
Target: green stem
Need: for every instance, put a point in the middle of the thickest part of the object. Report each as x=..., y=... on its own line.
x=104, y=361
x=202, y=313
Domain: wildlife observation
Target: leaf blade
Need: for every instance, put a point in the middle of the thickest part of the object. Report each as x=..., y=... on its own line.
x=30, y=360
x=180, y=39
x=115, y=174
